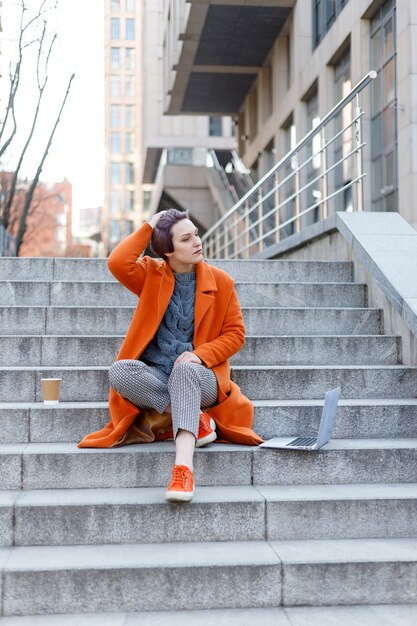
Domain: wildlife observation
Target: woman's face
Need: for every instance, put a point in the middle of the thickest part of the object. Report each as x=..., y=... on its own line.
x=187, y=245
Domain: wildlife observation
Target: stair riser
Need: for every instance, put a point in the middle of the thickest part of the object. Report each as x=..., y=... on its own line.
x=50, y=424
x=140, y=589
x=337, y=519
x=126, y=589
x=102, y=321
x=86, y=351
x=220, y=521
x=225, y=521
x=269, y=384
x=282, y=467
x=98, y=469
x=114, y=294
x=258, y=384
x=255, y=271
x=349, y=583
x=87, y=468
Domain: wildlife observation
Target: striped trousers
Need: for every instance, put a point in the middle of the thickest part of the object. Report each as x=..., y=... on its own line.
x=189, y=388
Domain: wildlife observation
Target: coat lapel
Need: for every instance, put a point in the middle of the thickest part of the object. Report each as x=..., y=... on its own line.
x=204, y=297
x=166, y=288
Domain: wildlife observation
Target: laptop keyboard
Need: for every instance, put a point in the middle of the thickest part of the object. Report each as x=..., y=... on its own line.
x=303, y=441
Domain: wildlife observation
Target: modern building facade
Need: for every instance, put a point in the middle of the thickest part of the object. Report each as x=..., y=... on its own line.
x=154, y=161
x=123, y=60
x=278, y=66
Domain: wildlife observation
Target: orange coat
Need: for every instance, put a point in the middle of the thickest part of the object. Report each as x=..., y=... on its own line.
x=218, y=334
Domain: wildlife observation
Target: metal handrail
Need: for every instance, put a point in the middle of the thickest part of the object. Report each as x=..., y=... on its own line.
x=242, y=209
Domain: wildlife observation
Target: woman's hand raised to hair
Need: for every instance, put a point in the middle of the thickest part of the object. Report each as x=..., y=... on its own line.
x=155, y=218
x=188, y=356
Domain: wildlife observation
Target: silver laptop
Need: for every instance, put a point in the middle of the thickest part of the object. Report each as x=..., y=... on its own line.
x=325, y=429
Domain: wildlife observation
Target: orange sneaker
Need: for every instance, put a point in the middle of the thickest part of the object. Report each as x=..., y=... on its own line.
x=206, y=430
x=181, y=487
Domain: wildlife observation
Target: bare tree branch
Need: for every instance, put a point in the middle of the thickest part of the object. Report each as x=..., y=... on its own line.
x=41, y=88
x=29, y=195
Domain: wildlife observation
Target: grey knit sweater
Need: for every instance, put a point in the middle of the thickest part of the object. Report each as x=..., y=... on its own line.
x=175, y=333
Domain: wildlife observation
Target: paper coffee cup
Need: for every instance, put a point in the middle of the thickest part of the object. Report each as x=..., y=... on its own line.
x=50, y=390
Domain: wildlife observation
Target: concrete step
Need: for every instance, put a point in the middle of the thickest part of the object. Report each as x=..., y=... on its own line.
x=29, y=293
x=42, y=579
x=136, y=515
x=341, y=461
x=52, y=350
x=242, y=270
x=70, y=421
x=258, y=321
x=286, y=382
x=354, y=615
x=255, y=574
x=267, y=382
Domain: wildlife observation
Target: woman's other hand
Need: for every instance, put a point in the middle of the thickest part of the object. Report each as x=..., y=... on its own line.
x=188, y=356
x=155, y=218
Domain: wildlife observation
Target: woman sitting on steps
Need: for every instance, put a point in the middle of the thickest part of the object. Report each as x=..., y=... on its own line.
x=174, y=359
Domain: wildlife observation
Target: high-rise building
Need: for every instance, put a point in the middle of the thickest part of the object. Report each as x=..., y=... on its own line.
x=154, y=160
x=122, y=211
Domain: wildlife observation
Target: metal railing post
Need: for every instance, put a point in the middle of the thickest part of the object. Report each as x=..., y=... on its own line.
x=359, y=165
x=261, y=218
x=324, y=186
x=226, y=241
x=236, y=236
x=277, y=233
x=217, y=244
x=297, y=196
x=247, y=229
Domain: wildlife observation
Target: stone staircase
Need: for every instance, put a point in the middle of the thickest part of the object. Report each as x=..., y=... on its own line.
x=87, y=531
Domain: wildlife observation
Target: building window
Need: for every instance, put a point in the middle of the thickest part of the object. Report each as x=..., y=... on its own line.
x=114, y=231
x=130, y=6
x=130, y=86
x=115, y=173
x=146, y=200
x=60, y=234
x=130, y=28
x=266, y=92
x=130, y=59
x=129, y=143
x=253, y=115
x=215, y=126
x=115, y=115
x=325, y=12
x=344, y=143
x=129, y=200
x=129, y=227
x=115, y=6
x=129, y=116
x=115, y=28
x=312, y=194
x=287, y=209
x=114, y=201
x=115, y=143
x=115, y=86
x=383, y=109
x=115, y=59
x=129, y=174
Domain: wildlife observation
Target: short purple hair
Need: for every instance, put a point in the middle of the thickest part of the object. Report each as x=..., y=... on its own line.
x=161, y=240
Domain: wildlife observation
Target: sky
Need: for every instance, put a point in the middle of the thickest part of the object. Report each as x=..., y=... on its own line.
x=77, y=152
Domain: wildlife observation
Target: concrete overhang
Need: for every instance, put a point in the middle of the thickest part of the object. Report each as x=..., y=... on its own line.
x=153, y=156
x=224, y=45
